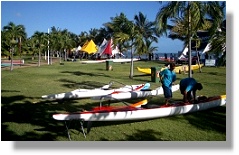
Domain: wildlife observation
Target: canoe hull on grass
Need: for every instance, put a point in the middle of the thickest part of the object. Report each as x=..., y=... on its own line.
x=88, y=93
x=134, y=94
x=134, y=113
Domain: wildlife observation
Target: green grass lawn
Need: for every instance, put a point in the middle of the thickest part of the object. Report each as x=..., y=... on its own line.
x=27, y=117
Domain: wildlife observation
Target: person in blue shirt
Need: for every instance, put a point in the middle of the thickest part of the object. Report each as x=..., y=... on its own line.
x=188, y=88
x=167, y=77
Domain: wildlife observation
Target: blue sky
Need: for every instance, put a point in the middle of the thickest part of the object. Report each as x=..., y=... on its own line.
x=78, y=16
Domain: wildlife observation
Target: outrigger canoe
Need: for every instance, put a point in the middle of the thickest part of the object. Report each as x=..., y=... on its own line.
x=185, y=68
x=104, y=60
x=122, y=95
x=178, y=69
x=110, y=113
x=88, y=93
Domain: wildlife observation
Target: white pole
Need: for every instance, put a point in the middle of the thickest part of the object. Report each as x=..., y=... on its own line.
x=48, y=49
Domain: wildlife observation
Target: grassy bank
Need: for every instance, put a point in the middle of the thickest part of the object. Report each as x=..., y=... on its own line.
x=25, y=116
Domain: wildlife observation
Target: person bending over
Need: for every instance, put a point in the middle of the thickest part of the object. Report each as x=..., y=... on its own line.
x=188, y=88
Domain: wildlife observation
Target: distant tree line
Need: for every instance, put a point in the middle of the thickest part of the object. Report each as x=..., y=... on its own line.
x=137, y=35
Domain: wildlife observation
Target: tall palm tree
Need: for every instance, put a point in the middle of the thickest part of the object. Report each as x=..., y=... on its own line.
x=56, y=42
x=68, y=42
x=147, y=31
x=218, y=44
x=177, y=31
x=125, y=33
x=145, y=27
x=31, y=47
x=134, y=35
x=40, y=39
x=196, y=10
x=14, y=33
x=5, y=44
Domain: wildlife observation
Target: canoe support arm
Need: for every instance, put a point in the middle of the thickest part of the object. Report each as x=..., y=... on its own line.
x=82, y=129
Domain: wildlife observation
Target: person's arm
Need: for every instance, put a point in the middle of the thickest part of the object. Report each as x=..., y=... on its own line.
x=185, y=97
x=174, y=78
x=161, y=77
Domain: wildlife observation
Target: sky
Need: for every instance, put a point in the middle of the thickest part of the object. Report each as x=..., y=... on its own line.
x=79, y=16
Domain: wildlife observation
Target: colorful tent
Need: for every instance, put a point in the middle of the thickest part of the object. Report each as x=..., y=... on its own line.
x=89, y=47
x=102, y=46
x=109, y=49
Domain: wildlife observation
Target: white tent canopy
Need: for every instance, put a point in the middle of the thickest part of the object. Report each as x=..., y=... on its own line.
x=78, y=48
x=102, y=46
x=184, y=53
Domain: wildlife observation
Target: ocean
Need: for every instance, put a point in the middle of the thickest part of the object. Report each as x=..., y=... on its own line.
x=155, y=56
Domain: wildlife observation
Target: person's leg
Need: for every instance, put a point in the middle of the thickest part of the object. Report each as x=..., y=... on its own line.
x=167, y=94
x=189, y=96
x=182, y=92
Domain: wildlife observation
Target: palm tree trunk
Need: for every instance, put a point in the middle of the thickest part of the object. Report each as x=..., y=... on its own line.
x=11, y=67
x=131, y=64
x=189, y=42
x=39, y=59
x=198, y=61
x=20, y=51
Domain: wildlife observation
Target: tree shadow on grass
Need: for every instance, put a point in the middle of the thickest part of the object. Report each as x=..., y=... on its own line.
x=211, y=119
x=217, y=74
x=79, y=73
x=141, y=135
x=83, y=84
x=24, y=121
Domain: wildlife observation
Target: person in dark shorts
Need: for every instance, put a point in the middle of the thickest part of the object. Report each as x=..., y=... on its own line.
x=167, y=77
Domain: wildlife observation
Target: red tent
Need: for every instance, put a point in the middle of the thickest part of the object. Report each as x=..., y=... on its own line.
x=108, y=49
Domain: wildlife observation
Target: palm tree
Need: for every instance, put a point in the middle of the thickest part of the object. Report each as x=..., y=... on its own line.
x=135, y=36
x=218, y=44
x=56, y=42
x=5, y=44
x=31, y=47
x=14, y=33
x=40, y=39
x=195, y=10
x=145, y=27
x=128, y=34
x=147, y=30
x=68, y=42
x=125, y=33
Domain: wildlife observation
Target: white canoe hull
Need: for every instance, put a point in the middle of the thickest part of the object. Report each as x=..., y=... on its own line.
x=134, y=94
x=102, y=61
x=129, y=113
x=88, y=93
x=92, y=61
x=123, y=60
